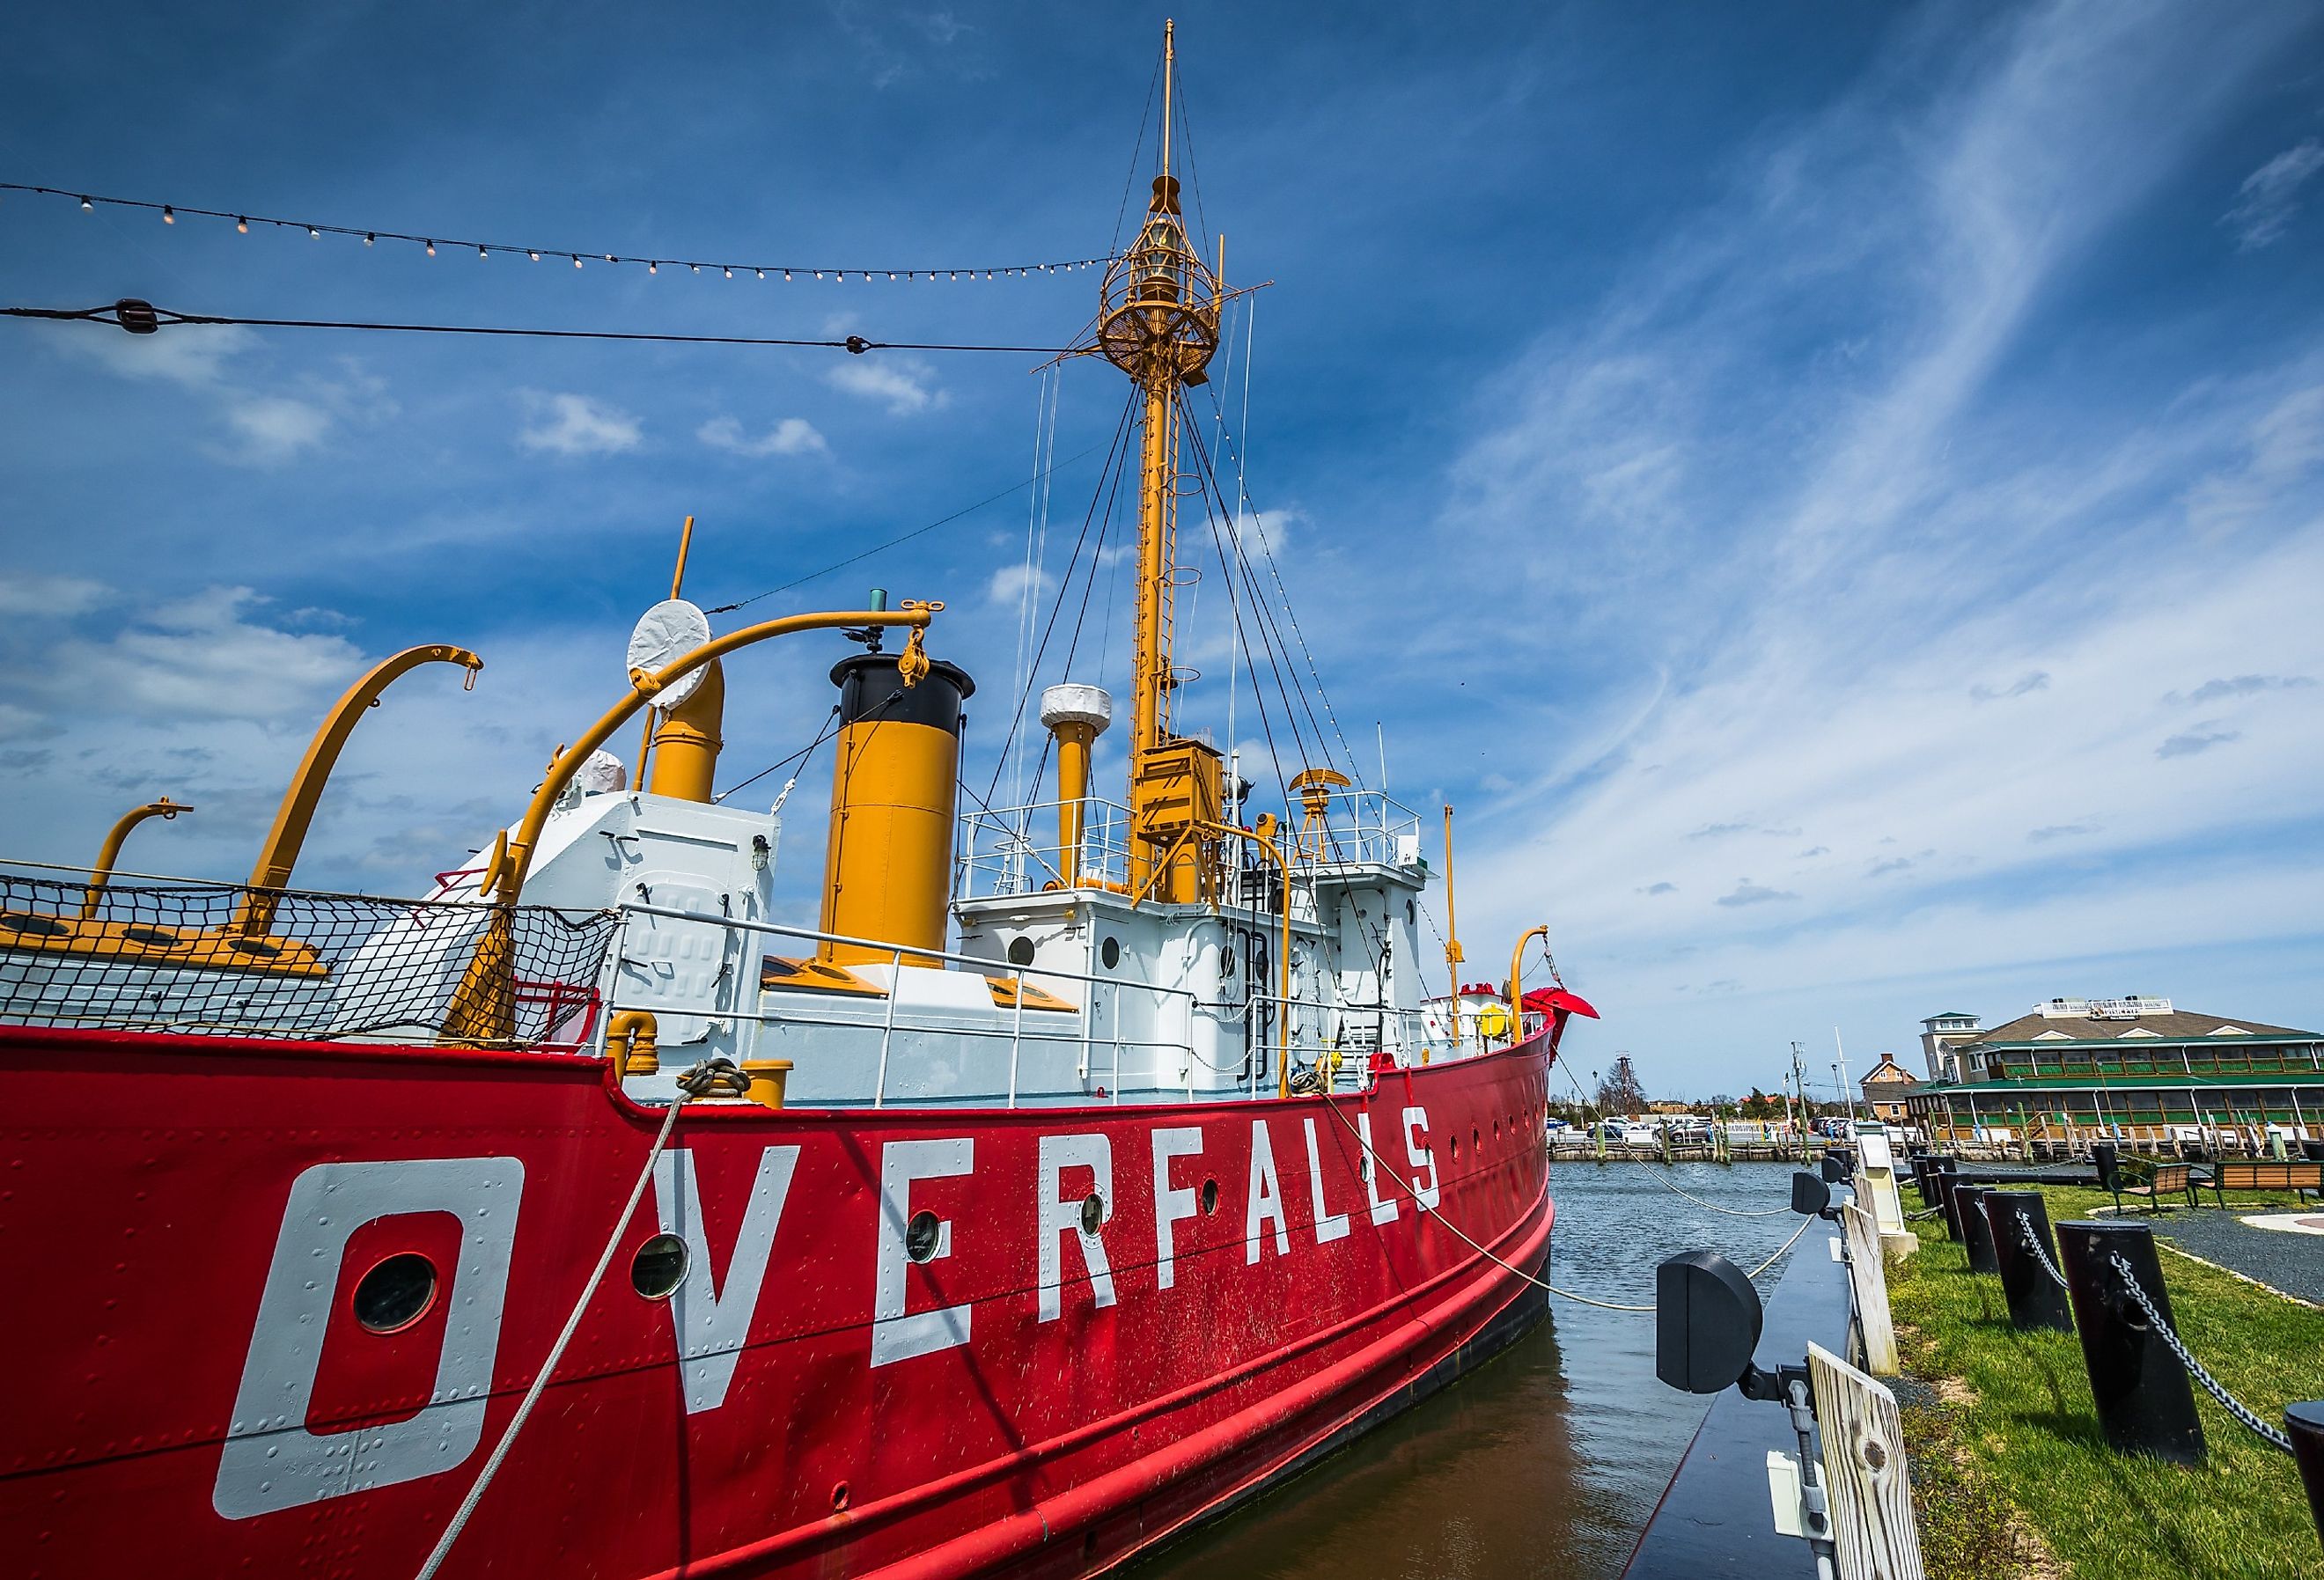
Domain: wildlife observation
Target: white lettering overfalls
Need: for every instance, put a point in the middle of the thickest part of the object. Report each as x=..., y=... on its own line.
x=896, y=1336
x=1172, y=1207
x=710, y=1325
x=1061, y=1213
x=271, y=1460
x=1266, y=1199
x=1329, y=1225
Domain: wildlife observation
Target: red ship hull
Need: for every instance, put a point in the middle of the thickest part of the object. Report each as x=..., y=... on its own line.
x=189, y=1217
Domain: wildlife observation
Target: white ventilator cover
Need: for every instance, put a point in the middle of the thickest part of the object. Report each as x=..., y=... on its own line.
x=665, y=634
x=601, y=773
x=1075, y=703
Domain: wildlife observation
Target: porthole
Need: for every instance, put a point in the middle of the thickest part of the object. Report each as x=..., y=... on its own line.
x=1456, y=1149
x=1092, y=1212
x=1110, y=953
x=1210, y=1196
x=839, y=1498
x=1411, y=913
x=659, y=1266
x=1226, y=962
x=395, y=1293
x=1020, y=951
x=1497, y=1127
x=1476, y=1138
x=920, y=1236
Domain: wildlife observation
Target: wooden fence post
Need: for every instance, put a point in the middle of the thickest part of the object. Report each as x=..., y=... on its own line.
x=1864, y=1473
x=1869, y=1286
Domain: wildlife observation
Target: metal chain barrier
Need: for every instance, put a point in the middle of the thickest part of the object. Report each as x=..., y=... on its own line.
x=2033, y=1242
x=2211, y=1384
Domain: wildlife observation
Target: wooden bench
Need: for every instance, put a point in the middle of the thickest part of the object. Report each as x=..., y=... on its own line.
x=2166, y=1179
x=2241, y=1174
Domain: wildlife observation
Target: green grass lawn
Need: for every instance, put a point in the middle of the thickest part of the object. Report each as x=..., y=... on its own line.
x=2010, y=1445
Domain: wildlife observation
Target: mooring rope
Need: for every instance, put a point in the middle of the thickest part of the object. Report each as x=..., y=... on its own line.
x=710, y=1074
x=1374, y=1160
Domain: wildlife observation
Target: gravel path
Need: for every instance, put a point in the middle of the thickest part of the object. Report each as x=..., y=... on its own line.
x=2294, y=1263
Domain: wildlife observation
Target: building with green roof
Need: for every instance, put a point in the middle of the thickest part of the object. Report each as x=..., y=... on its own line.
x=2136, y=1068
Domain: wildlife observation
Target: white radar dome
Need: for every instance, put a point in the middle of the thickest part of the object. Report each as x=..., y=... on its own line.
x=1075, y=703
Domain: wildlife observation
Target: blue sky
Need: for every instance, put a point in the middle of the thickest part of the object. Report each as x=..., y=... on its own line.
x=1830, y=493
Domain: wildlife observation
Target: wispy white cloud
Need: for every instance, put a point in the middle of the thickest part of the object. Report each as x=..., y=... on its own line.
x=2033, y=681
x=576, y=425
x=1008, y=584
x=273, y=428
x=904, y=384
x=792, y=436
x=2200, y=737
x=266, y=426
x=210, y=654
x=2270, y=196
x=50, y=597
x=1846, y=579
x=2284, y=451
x=2239, y=686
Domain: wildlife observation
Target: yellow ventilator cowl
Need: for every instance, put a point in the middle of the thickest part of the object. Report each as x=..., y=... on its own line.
x=686, y=740
x=887, y=865
x=1076, y=714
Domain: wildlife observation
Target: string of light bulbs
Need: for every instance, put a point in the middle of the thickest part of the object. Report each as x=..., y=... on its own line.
x=372, y=236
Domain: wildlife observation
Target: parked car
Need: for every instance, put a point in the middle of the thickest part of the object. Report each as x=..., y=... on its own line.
x=1629, y=1132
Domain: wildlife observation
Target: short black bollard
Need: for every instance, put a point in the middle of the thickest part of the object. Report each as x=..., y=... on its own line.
x=2146, y=1403
x=1976, y=1234
x=2034, y=1298
x=1924, y=1179
x=2304, y=1425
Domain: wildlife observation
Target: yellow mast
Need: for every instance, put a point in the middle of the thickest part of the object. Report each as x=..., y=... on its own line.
x=1453, y=954
x=1159, y=322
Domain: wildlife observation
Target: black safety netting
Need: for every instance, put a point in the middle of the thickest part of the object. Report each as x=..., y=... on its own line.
x=224, y=960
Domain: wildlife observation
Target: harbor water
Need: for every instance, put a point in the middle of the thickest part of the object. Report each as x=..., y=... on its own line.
x=1548, y=1460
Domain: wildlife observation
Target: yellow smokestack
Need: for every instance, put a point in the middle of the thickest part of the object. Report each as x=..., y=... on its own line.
x=1076, y=714
x=887, y=867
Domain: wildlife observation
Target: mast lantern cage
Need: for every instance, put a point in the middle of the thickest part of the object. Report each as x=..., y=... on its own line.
x=346, y=967
x=1158, y=312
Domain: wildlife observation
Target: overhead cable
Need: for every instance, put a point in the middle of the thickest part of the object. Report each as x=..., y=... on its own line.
x=243, y=220
x=142, y=318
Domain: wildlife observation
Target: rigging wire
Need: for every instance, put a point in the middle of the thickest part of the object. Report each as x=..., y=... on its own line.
x=800, y=756
x=1269, y=637
x=1275, y=572
x=896, y=543
x=142, y=317
x=1193, y=182
x=1130, y=181
x=372, y=235
x=1036, y=533
x=1110, y=473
